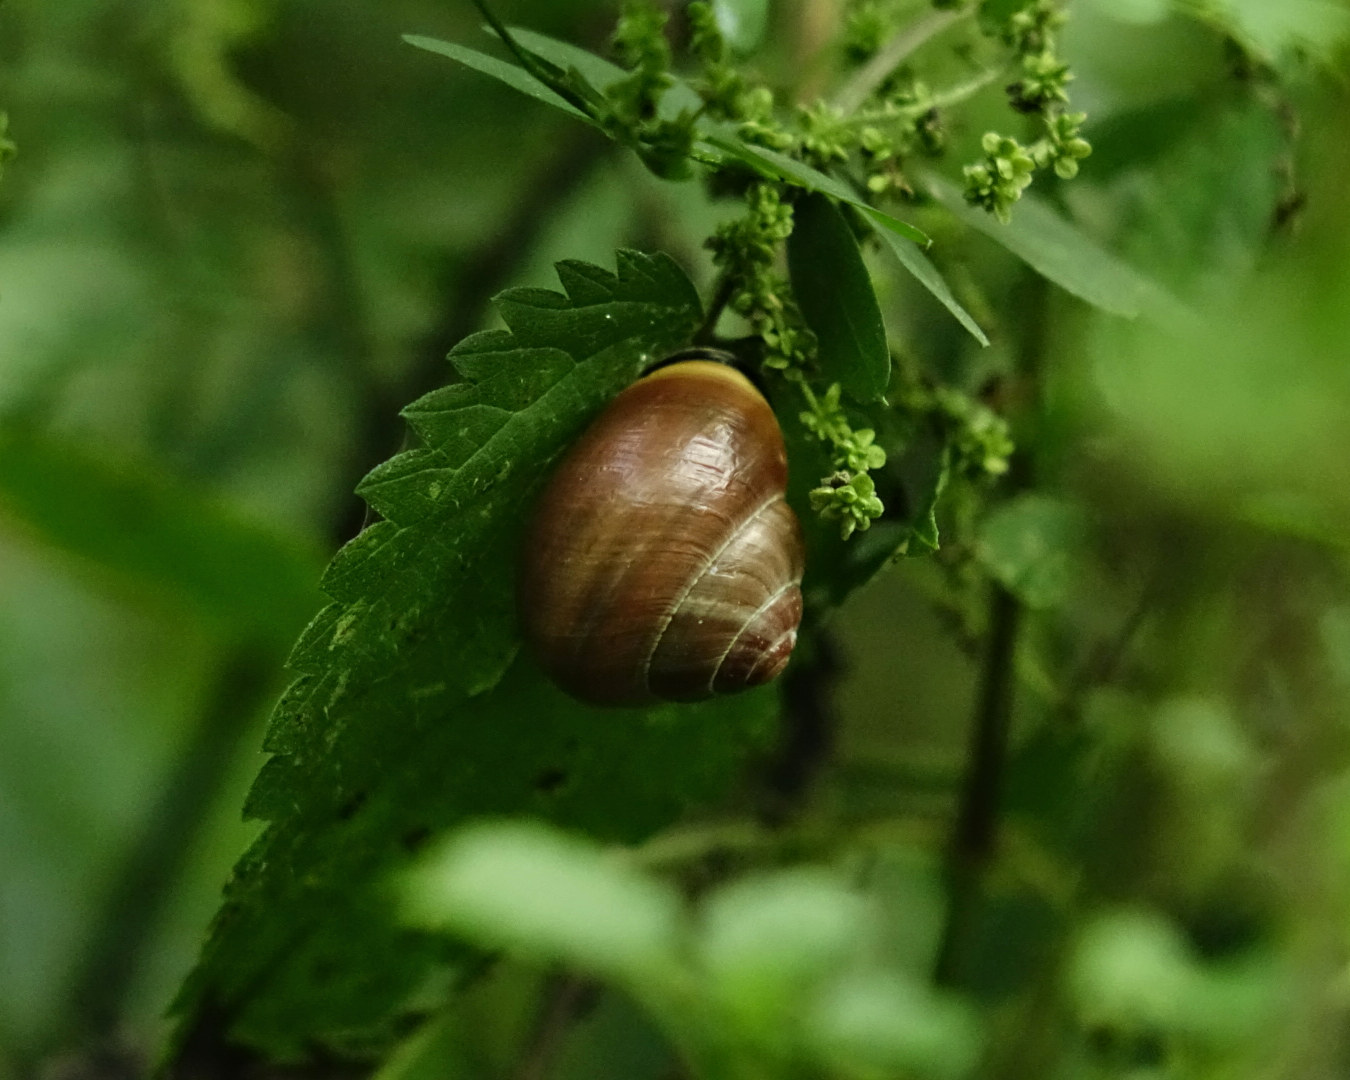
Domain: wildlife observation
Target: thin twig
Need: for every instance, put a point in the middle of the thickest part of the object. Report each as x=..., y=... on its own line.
x=974, y=838
x=722, y=294
x=875, y=72
x=565, y=998
x=972, y=844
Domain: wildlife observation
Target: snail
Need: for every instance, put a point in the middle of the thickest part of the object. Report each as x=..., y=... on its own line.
x=663, y=562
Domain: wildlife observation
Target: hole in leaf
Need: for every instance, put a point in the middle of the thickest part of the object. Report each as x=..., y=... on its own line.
x=550, y=781
x=413, y=839
x=348, y=809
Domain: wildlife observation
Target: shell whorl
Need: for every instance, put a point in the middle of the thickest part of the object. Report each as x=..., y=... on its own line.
x=664, y=563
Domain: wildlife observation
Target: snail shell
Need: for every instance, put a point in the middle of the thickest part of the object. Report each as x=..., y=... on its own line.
x=663, y=562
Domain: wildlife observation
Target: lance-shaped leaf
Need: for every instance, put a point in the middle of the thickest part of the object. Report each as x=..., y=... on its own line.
x=917, y=263
x=513, y=76
x=834, y=291
x=1057, y=250
x=722, y=140
x=412, y=711
x=679, y=96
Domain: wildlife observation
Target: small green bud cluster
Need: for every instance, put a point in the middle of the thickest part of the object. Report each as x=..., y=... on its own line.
x=639, y=42
x=978, y=436
x=998, y=181
x=906, y=121
x=849, y=498
x=640, y=45
x=867, y=26
x=746, y=249
x=849, y=495
x=722, y=87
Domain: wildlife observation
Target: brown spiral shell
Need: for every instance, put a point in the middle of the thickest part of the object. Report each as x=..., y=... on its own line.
x=663, y=562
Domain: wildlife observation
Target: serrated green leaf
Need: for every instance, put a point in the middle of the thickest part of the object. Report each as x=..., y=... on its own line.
x=515, y=77
x=834, y=291
x=161, y=535
x=1058, y=251
x=742, y=22
x=917, y=263
x=412, y=711
x=781, y=167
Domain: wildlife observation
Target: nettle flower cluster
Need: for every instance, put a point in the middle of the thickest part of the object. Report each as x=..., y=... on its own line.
x=997, y=182
x=866, y=134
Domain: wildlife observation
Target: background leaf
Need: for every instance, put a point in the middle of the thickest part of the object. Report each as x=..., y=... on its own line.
x=1030, y=544
x=834, y=291
x=159, y=534
x=742, y=22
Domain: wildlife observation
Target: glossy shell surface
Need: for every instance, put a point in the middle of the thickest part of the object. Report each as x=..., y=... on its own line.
x=663, y=562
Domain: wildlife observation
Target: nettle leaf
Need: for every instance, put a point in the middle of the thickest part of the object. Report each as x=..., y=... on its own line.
x=513, y=76
x=602, y=73
x=913, y=259
x=923, y=537
x=778, y=166
x=412, y=711
x=1058, y=251
x=834, y=291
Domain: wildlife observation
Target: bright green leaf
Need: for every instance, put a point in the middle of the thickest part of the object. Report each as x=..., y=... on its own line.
x=766, y=941
x=834, y=291
x=742, y=22
x=917, y=263
x=880, y=1022
x=549, y=896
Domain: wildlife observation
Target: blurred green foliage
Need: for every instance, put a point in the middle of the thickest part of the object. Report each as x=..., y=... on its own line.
x=239, y=236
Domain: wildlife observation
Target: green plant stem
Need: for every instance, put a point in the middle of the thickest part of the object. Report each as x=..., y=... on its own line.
x=942, y=99
x=810, y=722
x=875, y=72
x=973, y=839
x=722, y=293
